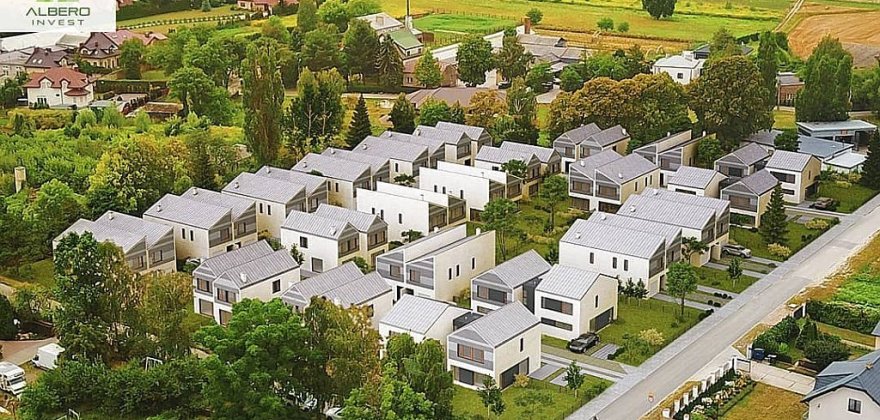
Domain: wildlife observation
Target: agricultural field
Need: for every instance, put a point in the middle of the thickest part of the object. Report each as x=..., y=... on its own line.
x=853, y=22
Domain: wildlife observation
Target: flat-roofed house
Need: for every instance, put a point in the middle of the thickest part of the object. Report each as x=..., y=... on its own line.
x=436, y=147
x=494, y=158
x=316, y=187
x=344, y=176
x=477, y=186
x=345, y=286
x=255, y=271
x=798, y=174
x=405, y=158
x=373, y=230
x=406, y=208
x=622, y=253
x=440, y=265
x=148, y=246
x=457, y=144
x=206, y=223
x=328, y=240
x=512, y=280
x=705, y=219
x=573, y=301
x=851, y=131
x=421, y=318
x=696, y=181
x=274, y=198
x=750, y=196
x=588, y=140
x=380, y=167
x=502, y=344
x=479, y=136
x=742, y=162
x=606, y=179
x=671, y=152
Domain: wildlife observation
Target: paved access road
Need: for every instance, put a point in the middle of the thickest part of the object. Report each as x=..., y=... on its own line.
x=667, y=370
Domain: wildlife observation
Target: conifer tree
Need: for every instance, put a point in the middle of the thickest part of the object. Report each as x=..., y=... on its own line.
x=773, y=225
x=403, y=116
x=871, y=167
x=360, y=126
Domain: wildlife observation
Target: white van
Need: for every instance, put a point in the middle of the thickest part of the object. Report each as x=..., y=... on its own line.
x=47, y=356
x=12, y=378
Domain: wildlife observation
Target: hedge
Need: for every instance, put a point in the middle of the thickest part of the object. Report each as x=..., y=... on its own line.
x=129, y=86
x=844, y=315
x=145, y=8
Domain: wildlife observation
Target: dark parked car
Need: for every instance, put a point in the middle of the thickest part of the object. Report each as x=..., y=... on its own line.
x=824, y=203
x=736, y=251
x=583, y=342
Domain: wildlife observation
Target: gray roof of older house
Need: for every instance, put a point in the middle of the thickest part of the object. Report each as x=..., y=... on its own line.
x=151, y=231
x=535, y=39
x=720, y=206
x=647, y=207
x=345, y=285
x=765, y=138
x=837, y=125
x=862, y=374
x=626, y=168
x=759, y=182
x=312, y=183
x=359, y=220
x=518, y=270
x=432, y=143
x=544, y=154
x=449, y=136
x=418, y=314
x=247, y=265
x=499, y=326
x=670, y=233
x=497, y=155
x=689, y=176
x=788, y=161
x=392, y=149
x=376, y=162
x=614, y=239
x=471, y=131
x=314, y=224
x=264, y=188
x=568, y=282
x=332, y=167
x=749, y=154
x=188, y=212
x=238, y=205
x=876, y=331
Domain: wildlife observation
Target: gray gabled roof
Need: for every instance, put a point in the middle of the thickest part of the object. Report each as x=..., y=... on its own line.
x=862, y=374
x=544, y=154
x=608, y=136
x=588, y=165
x=151, y=231
x=692, y=177
x=758, y=183
x=766, y=138
x=361, y=221
x=432, y=143
x=577, y=135
x=345, y=285
x=627, y=168
x=685, y=215
x=614, y=239
x=263, y=188
x=377, y=163
x=472, y=131
x=499, y=326
x=670, y=233
x=517, y=270
x=720, y=206
x=452, y=137
x=748, y=155
x=312, y=183
x=314, y=224
x=332, y=167
x=568, y=282
x=392, y=149
x=418, y=314
x=103, y=233
x=188, y=212
x=359, y=291
x=876, y=331
x=494, y=154
x=239, y=206
x=788, y=161
x=247, y=265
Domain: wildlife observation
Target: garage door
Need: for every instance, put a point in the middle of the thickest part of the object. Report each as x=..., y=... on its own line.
x=602, y=320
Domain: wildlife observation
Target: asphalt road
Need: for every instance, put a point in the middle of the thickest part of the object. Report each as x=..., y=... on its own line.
x=667, y=370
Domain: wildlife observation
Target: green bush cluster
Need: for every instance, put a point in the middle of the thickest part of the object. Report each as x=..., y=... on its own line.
x=144, y=8
x=845, y=315
x=772, y=340
x=820, y=348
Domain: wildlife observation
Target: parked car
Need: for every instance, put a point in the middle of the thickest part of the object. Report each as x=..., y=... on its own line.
x=736, y=251
x=583, y=342
x=824, y=203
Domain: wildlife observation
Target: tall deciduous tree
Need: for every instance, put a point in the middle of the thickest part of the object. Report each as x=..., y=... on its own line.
x=315, y=114
x=320, y=50
x=729, y=99
x=659, y=8
x=389, y=65
x=522, y=105
x=681, y=279
x=428, y=70
x=553, y=191
x=198, y=94
x=827, y=78
x=131, y=56
x=474, y=59
x=165, y=310
x=871, y=167
x=501, y=215
x=570, y=80
x=513, y=59
x=485, y=108
x=432, y=111
x=723, y=45
x=708, y=151
x=360, y=48
x=422, y=366
x=55, y=207
x=360, y=126
x=403, y=115
x=307, y=16
x=773, y=222
x=490, y=395
x=391, y=398
x=768, y=65
x=262, y=97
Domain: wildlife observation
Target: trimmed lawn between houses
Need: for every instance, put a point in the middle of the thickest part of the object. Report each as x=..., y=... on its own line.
x=562, y=401
x=798, y=237
x=718, y=279
x=767, y=402
x=634, y=317
x=40, y=273
x=849, y=196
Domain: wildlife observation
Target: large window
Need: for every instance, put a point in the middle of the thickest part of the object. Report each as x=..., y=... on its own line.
x=557, y=324
x=470, y=353
x=556, y=306
x=203, y=285
x=854, y=406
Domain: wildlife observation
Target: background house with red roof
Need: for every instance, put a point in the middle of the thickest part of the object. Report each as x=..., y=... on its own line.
x=60, y=87
x=102, y=49
x=264, y=6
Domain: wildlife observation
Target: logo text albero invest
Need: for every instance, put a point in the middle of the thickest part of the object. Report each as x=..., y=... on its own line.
x=55, y=13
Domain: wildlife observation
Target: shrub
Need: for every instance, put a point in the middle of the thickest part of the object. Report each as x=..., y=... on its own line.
x=844, y=315
x=521, y=380
x=778, y=250
x=605, y=24
x=817, y=224
x=652, y=337
x=825, y=350
x=623, y=27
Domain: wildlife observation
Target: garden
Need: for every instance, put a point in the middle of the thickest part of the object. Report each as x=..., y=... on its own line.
x=800, y=344
x=449, y=28
x=797, y=236
x=720, y=279
x=845, y=190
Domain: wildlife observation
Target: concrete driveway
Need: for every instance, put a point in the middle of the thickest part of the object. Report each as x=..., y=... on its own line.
x=21, y=352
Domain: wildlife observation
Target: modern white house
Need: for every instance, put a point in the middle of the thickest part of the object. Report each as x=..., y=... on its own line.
x=750, y=196
x=551, y=160
x=316, y=187
x=606, y=179
x=274, y=199
x=421, y=318
x=60, y=87
x=380, y=167
x=440, y=265
x=588, y=140
x=742, y=162
x=697, y=181
x=622, y=253
x=704, y=219
x=683, y=68
x=847, y=390
x=436, y=146
x=479, y=136
x=345, y=286
x=670, y=233
x=572, y=301
x=255, y=271
x=327, y=240
x=457, y=144
x=494, y=158
x=405, y=158
x=671, y=152
x=206, y=223
x=798, y=174
x=411, y=209
x=372, y=230
x=850, y=131
x=510, y=281
x=344, y=176
x=148, y=246
x=499, y=345
x=477, y=186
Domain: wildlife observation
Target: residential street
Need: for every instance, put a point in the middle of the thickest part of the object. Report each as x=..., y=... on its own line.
x=668, y=369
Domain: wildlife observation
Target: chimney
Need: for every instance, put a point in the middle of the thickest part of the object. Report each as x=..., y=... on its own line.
x=380, y=20
x=110, y=215
x=582, y=163
x=577, y=235
x=623, y=130
x=527, y=25
x=602, y=216
x=268, y=170
x=195, y=191
x=20, y=177
x=158, y=208
x=632, y=209
x=236, y=185
x=244, y=277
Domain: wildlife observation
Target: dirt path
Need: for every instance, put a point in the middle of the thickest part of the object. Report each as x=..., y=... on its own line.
x=794, y=9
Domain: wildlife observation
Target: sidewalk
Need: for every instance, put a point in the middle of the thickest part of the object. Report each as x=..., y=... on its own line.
x=688, y=303
x=712, y=290
x=781, y=378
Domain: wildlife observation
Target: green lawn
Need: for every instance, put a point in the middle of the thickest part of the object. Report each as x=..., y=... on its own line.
x=718, y=279
x=767, y=402
x=798, y=236
x=463, y=24
x=845, y=334
x=41, y=273
x=850, y=196
x=634, y=317
x=154, y=75
x=184, y=14
x=783, y=119
x=558, y=401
